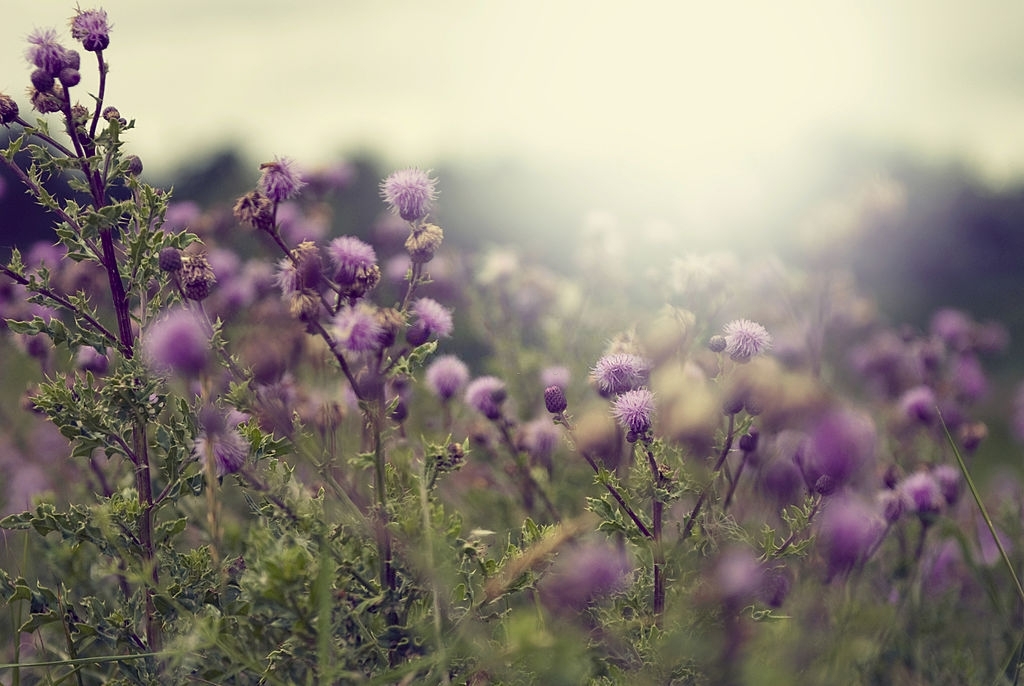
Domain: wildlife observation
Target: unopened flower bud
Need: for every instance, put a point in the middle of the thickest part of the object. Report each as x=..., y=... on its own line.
x=197, y=277
x=70, y=77
x=748, y=441
x=554, y=400
x=422, y=243
x=134, y=165
x=111, y=113
x=825, y=485
x=169, y=259
x=42, y=80
x=8, y=109
x=716, y=343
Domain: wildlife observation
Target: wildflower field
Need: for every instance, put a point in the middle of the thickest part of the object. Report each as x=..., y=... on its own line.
x=252, y=443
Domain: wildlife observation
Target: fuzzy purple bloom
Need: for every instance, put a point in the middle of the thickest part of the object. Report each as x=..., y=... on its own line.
x=350, y=256
x=177, y=342
x=540, y=438
x=634, y=410
x=841, y=447
x=446, y=376
x=620, y=372
x=225, y=446
x=434, y=318
x=555, y=376
x=358, y=329
x=410, y=193
x=847, y=530
x=738, y=576
x=279, y=181
x=921, y=493
x=485, y=394
x=953, y=327
x=745, y=339
x=950, y=482
x=45, y=52
x=968, y=378
x=89, y=359
x=919, y=404
x=91, y=28
x=583, y=575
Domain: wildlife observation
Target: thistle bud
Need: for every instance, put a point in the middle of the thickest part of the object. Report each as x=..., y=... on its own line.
x=8, y=109
x=554, y=400
x=134, y=165
x=169, y=259
x=422, y=243
x=197, y=277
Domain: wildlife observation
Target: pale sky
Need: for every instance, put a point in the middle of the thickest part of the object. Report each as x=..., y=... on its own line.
x=708, y=98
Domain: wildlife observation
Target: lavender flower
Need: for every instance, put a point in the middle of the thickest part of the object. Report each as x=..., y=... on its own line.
x=918, y=405
x=358, y=329
x=619, y=372
x=91, y=28
x=446, y=376
x=745, y=339
x=177, y=342
x=410, y=193
x=433, y=319
x=634, y=410
x=279, y=181
x=485, y=394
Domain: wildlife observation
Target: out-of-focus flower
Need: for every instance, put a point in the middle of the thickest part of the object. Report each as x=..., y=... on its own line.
x=919, y=404
x=446, y=376
x=358, y=329
x=177, y=342
x=410, y=193
x=91, y=28
x=737, y=577
x=968, y=378
x=540, y=439
x=635, y=410
x=583, y=575
x=620, y=372
x=953, y=327
x=555, y=376
x=841, y=447
x=485, y=394
x=745, y=339
x=921, y=494
x=88, y=359
x=45, y=52
x=197, y=277
x=279, y=181
x=847, y=530
x=220, y=442
x=950, y=482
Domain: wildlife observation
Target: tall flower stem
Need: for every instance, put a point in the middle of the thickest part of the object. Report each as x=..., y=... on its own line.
x=658, y=551
x=702, y=498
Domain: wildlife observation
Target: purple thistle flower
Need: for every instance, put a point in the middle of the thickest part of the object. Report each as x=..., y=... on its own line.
x=745, y=339
x=540, y=438
x=921, y=493
x=953, y=327
x=968, y=378
x=279, y=181
x=45, y=52
x=433, y=318
x=220, y=441
x=485, y=394
x=841, y=447
x=350, y=257
x=358, y=329
x=177, y=342
x=619, y=372
x=847, y=530
x=555, y=376
x=91, y=28
x=918, y=404
x=950, y=482
x=446, y=376
x=634, y=409
x=410, y=193
x=583, y=575
x=89, y=359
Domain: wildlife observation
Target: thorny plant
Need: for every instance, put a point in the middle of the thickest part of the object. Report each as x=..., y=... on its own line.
x=277, y=480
